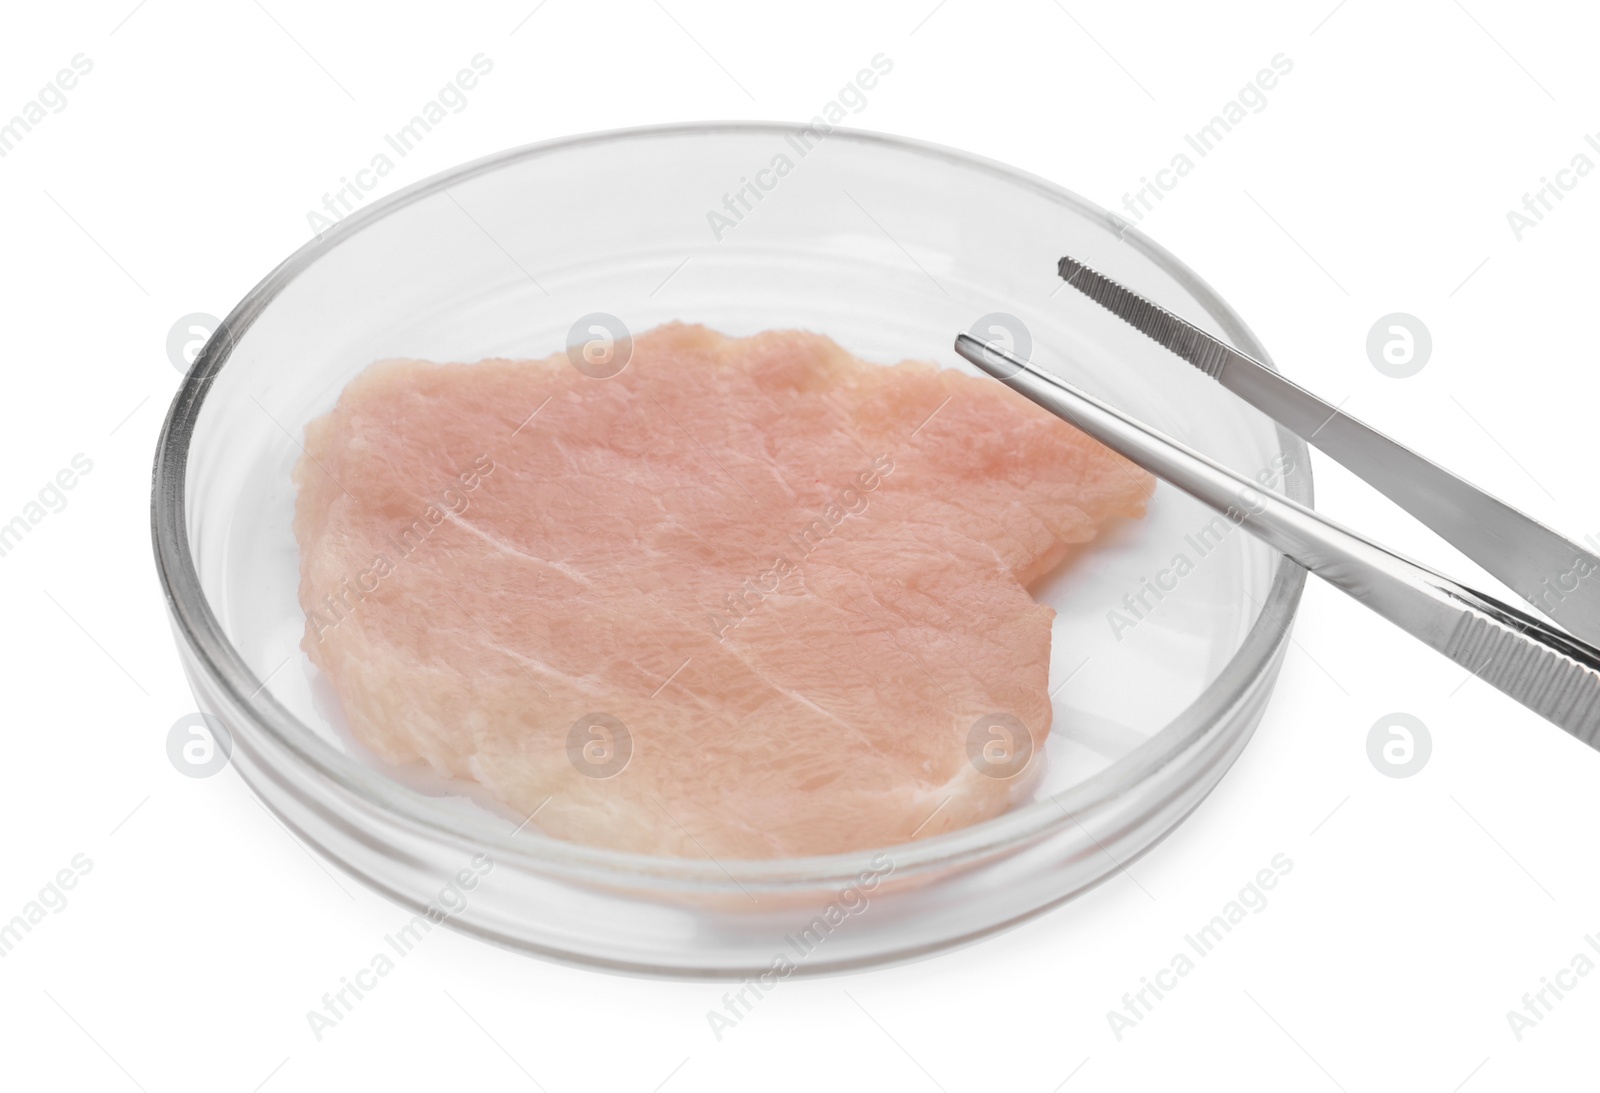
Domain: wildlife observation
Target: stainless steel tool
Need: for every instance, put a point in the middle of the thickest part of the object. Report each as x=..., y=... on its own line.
x=1558, y=577
x=1552, y=673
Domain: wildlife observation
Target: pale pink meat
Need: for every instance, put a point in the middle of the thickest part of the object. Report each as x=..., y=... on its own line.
x=794, y=578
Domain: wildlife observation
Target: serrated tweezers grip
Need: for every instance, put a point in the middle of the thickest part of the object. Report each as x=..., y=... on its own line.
x=1178, y=335
x=1552, y=682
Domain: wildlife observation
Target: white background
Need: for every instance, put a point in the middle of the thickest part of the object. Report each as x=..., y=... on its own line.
x=1377, y=180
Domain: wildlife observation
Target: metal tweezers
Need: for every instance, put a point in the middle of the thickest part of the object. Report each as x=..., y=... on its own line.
x=1553, y=672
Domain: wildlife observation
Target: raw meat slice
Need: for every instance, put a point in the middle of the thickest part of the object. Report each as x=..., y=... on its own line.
x=749, y=598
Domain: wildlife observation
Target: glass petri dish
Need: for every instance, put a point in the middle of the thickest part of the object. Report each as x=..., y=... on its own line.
x=1160, y=670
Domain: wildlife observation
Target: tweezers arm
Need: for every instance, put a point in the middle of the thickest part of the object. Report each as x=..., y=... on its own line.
x=1541, y=566
x=1556, y=676
x=1559, y=577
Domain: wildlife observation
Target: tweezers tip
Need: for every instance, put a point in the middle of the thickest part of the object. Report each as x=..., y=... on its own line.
x=1149, y=318
x=1080, y=275
x=975, y=350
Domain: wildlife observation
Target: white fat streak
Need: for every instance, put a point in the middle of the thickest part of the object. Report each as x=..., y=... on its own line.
x=796, y=696
x=508, y=548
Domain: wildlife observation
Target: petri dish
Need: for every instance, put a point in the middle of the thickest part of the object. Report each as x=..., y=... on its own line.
x=1160, y=671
